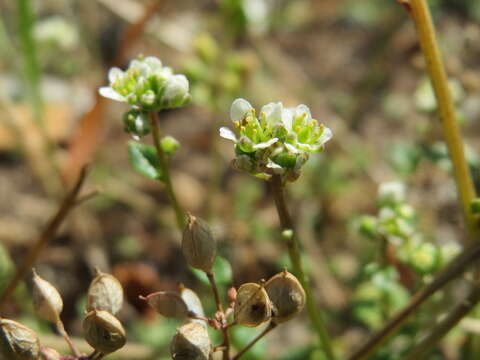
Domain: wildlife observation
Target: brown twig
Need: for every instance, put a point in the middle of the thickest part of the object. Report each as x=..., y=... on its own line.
x=48, y=233
x=452, y=271
x=269, y=328
x=218, y=302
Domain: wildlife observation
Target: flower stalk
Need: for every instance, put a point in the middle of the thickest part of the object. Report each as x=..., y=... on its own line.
x=293, y=246
x=163, y=161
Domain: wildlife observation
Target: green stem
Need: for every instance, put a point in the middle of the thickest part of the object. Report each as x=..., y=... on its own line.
x=420, y=13
x=293, y=246
x=166, y=179
x=453, y=138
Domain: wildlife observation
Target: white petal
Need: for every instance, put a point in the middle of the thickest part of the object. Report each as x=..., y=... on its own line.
x=292, y=148
x=176, y=86
x=108, y=92
x=153, y=62
x=273, y=165
x=287, y=118
x=114, y=73
x=265, y=144
x=326, y=135
x=273, y=113
x=300, y=109
x=239, y=109
x=226, y=133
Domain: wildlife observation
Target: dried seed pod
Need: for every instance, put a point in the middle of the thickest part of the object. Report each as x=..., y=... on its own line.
x=103, y=331
x=252, y=306
x=47, y=353
x=287, y=296
x=105, y=293
x=18, y=342
x=168, y=304
x=198, y=245
x=191, y=342
x=46, y=299
x=191, y=299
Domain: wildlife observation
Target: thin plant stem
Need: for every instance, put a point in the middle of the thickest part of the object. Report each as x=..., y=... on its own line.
x=48, y=233
x=420, y=13
x=293, y=246
x=421, y=350
x=68, y=340
x=218, y=302
x=269, y=328
x=455, y=269
x=446, y=109
x=166, y=179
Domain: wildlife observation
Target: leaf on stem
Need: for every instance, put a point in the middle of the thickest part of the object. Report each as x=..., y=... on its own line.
x=144, y=160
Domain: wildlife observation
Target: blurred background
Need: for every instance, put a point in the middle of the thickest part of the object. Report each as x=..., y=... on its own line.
x=355, y=63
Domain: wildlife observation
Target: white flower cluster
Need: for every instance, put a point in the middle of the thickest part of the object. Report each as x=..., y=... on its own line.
x=147, y=85
x=278, y=141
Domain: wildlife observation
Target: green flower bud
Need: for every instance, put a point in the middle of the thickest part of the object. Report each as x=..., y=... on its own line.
x=18, y=342
x=169, y=144
x=136, y=122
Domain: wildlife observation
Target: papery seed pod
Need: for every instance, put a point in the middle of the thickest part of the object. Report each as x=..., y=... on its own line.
x=47, y=353
x=287, y=296
x=18, y=342
x=105, y=293
x=193, y=302
x=191, y=342
x=198, y=244
x=252, y=306
x=46, y=299
x=103, y=331
x=168, y=304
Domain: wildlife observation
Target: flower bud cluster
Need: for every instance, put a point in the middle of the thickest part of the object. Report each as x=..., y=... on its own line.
x=276, y=142
x=396, y=222
x=148, y=85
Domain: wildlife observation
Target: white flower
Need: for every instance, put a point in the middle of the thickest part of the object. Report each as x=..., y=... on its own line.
x=272, y=113
x=176, y=88
x=239, y=109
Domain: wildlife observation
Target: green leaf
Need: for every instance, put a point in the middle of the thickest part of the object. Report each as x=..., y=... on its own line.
x=144, y=160
x=222, y=270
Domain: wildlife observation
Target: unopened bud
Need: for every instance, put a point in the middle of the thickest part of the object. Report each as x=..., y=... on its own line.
x=191, y=342
x=46, y=299
x=105, y=293
x=231, y=294
x=198, y=245
x=47, y=353
x=176, y=92
x=252, y=306
x=103, y=331
x=168, y=304
x=287, y=296
x=18, y=342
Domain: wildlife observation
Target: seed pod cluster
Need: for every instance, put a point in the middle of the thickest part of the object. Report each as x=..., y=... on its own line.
x=46, y=299
x=103, y=331
x=18, y=342
x=198, y=244
x=280, y=299
x=191, y=342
